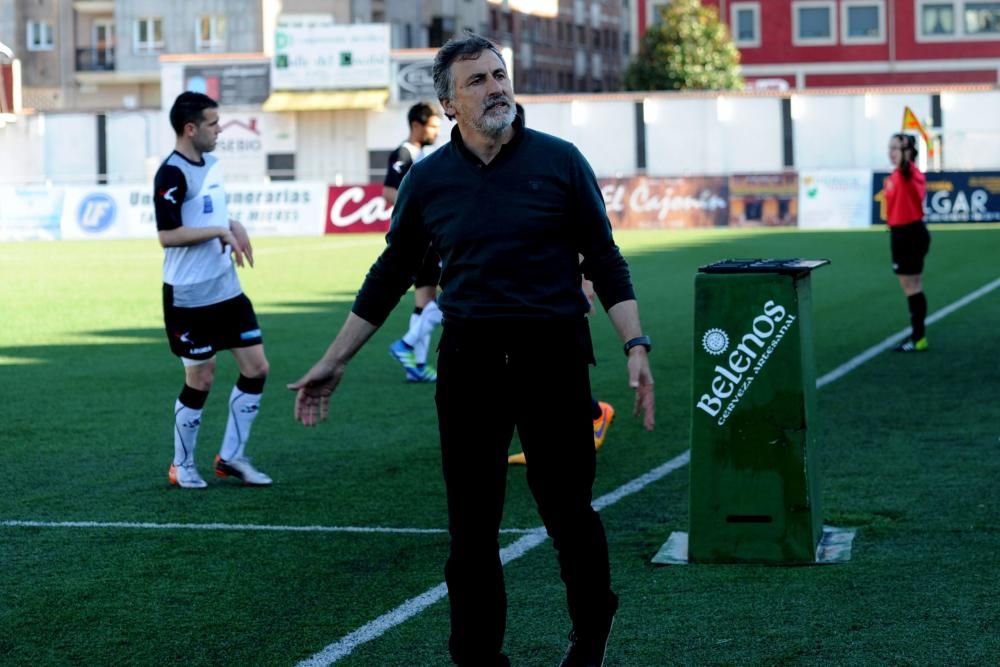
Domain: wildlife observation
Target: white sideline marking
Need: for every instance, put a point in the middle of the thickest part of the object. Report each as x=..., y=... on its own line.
x=239, y=526
x=376, y=628
x=892, y=340
x=384, y=623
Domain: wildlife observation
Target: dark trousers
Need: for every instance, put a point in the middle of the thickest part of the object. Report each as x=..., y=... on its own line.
x=535, y=379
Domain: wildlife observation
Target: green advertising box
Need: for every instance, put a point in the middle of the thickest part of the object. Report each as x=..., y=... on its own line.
x=754, y=480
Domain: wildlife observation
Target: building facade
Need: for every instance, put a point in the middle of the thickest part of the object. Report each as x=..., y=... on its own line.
x=564, y=45
x=104, y=54
x=861, y=43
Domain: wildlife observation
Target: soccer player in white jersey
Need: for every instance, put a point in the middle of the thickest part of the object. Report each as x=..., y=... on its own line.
x=204, y=308
x=411, y=350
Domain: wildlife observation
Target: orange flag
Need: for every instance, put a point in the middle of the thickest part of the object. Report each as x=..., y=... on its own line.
x=911, y=122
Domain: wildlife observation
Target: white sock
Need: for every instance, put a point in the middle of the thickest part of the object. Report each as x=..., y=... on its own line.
x=429, y=318
x=412, y=335
x=186, y=423
x=243, y=410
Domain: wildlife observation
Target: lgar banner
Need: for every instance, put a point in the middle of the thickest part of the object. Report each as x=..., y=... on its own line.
x=121, y=212
x=952, y=196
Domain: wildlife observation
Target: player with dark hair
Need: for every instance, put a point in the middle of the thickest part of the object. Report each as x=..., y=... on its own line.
x=411, y=350
x=905, y=189
x=204, y=308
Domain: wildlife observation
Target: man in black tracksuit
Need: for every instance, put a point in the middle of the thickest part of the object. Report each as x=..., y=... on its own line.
x=509, y=210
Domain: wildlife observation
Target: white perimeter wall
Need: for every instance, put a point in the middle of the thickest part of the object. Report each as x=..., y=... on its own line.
x=685, y=135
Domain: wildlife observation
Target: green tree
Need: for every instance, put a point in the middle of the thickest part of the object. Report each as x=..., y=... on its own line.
x=690, y=49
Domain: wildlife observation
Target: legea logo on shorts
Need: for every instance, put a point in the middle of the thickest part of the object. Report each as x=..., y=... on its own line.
x=96, y=212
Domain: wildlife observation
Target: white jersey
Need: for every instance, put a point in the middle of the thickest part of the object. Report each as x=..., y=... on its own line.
x=190, y=194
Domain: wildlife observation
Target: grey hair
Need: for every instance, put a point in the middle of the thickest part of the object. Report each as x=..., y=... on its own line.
x=467, y=47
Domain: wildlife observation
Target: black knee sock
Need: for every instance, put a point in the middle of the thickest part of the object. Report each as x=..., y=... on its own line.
x=595, y=409
x=918, y=313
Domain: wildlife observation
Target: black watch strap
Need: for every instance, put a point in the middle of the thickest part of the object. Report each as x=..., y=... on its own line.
x=639, y=340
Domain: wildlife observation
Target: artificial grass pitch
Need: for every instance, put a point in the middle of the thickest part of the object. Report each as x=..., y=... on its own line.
x=907, y=449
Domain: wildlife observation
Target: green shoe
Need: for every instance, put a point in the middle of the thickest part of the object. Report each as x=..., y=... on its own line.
x=914, y=346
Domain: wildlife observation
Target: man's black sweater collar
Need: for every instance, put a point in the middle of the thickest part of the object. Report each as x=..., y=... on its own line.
x=505, y=151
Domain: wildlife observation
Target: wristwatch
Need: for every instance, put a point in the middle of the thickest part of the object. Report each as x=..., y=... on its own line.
x=639, y=340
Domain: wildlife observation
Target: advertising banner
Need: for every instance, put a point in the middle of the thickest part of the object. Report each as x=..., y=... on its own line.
x=952, y=196
x=248, y=138
x=763, y=200
x=30, y=213
x=108, y=212
x=357, y=208
x=413, y=80
x=642, y=202
x=754, y=484
x=265, y=209
x=313, y=53
x=834, y=199
x=284, y=208
x=235, y=84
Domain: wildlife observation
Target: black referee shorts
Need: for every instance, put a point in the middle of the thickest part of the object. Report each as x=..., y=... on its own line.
x=909, y=244
x=198, y=333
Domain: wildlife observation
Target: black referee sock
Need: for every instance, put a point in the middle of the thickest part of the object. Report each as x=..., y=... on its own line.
x=918, y=313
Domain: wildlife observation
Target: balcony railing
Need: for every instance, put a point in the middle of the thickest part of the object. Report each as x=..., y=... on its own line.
x=95, y=59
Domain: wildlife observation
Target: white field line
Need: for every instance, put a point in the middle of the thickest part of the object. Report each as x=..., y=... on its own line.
x=376, y=628
x=239, y=526
x=892, y=340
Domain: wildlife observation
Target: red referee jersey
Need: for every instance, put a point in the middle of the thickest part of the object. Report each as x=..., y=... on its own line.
x=904, y=197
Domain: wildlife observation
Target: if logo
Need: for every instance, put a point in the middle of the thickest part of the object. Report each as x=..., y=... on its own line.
x=96, y=212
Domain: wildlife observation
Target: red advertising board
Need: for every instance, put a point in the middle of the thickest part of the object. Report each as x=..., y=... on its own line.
x=357, y=208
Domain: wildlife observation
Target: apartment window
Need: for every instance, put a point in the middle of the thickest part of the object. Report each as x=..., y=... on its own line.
x=982, y=18
x=862, y=22
x=745, y=18
x=210, y=33
x=39, y=36
x=948, y=21
x=148, y=36
x=937, y=19
x=813, y=23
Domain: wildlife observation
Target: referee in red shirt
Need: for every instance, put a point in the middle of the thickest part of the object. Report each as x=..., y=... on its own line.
x=904, y=196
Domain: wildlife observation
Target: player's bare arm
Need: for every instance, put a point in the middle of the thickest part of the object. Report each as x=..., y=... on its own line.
x=242, y=238
x=185, y=236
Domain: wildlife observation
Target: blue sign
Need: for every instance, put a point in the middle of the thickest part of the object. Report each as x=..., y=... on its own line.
x=952, y=196
x=96, y=212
